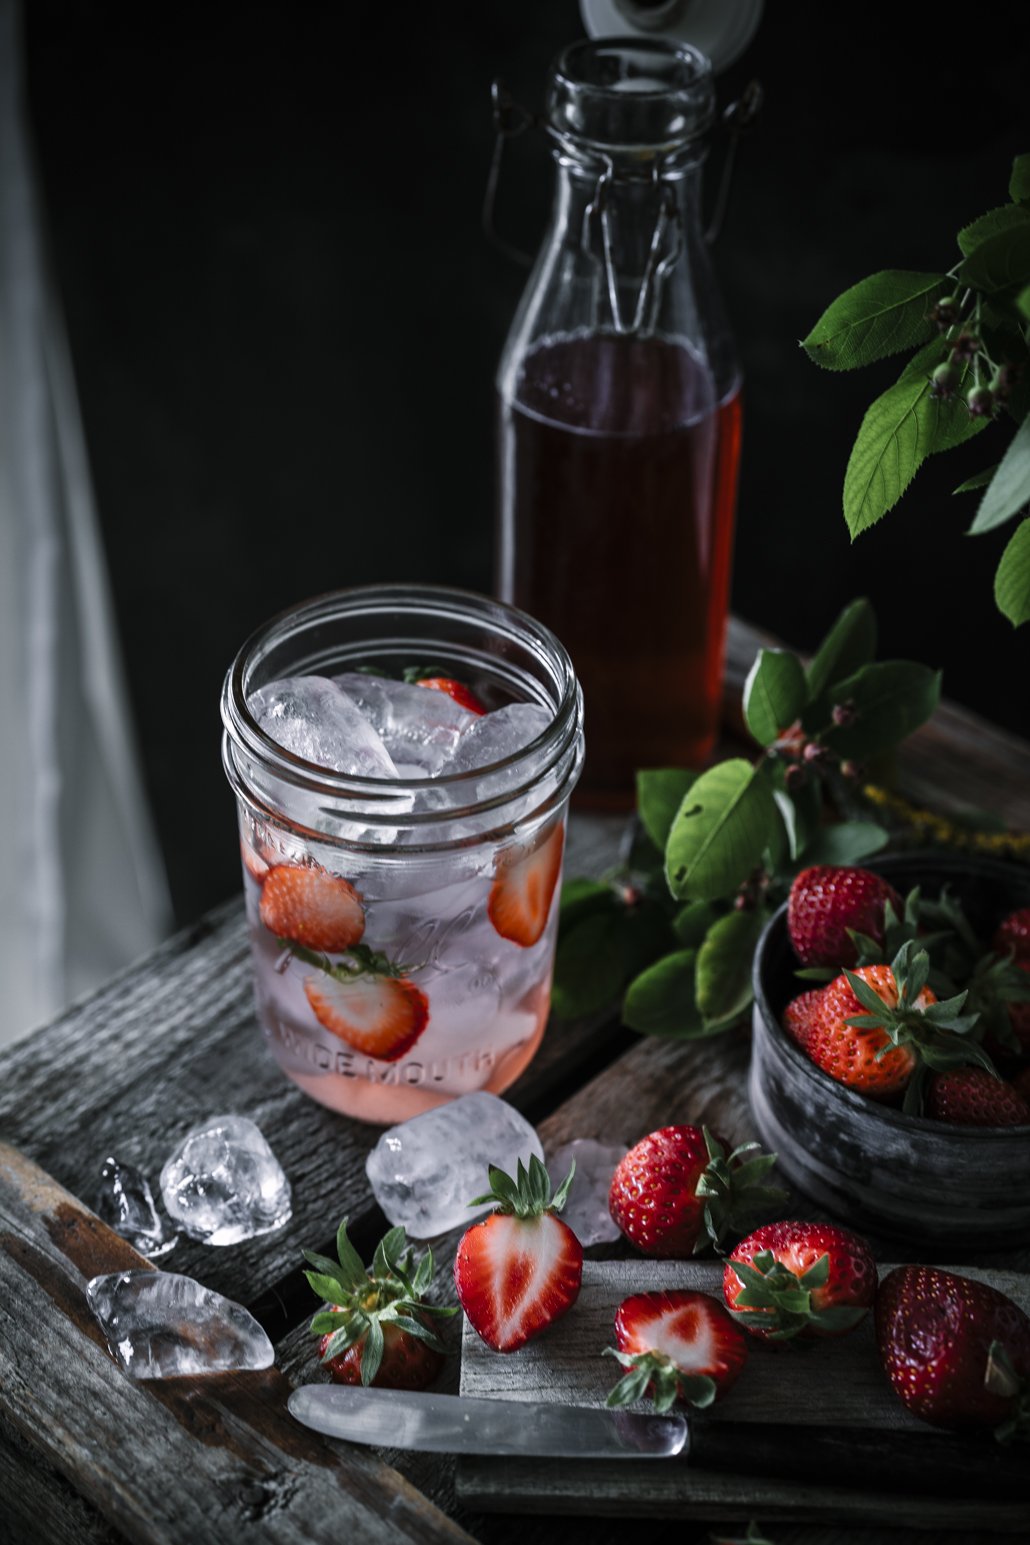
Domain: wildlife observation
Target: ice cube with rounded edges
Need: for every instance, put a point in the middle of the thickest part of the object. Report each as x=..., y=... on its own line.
x=315, y=719
x=125, y=1202
x=425, y=1171
x=420, y=728
x=586, y=1211
x=160, y=1325
x=493, y=736
x=223, y=1183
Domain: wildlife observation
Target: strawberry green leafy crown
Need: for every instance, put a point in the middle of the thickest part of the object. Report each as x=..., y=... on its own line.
x=939, y=1034
x=657, y=1372
x=1001, y=1379
x=389, y=1292
x=779, y=1301
x=734, y=1191
x=530, y=1194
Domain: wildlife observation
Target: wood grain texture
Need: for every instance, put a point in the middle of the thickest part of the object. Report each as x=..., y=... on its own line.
x=241, y=1467
x=823, y=1384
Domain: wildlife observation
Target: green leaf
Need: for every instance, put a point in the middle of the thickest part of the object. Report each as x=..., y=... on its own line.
x=880, y=315
x=1009, y=488
x=692, y=922
x=579, y=898
x=720, y=832
x=846, y=843
x=993, y=223
x=372, y=1351
x=724, y=964
x=1012, y=581
x=350, y=1261
x=774, y=694
x=660, y=792
x=648, y=934
x=801, y=812
x=850, y=643
x=998, y=263
x=892, y=443
x=1019, y=182
x=1023, y=302
x=589, y=966
x=891, y=699
x=979, y=480
x=949, y=422
x=661, y=1000
x=326, y=1287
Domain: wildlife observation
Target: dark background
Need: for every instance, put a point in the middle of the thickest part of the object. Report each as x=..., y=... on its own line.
x=285, y=320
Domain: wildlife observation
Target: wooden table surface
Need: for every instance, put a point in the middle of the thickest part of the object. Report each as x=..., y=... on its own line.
x=86, y=1455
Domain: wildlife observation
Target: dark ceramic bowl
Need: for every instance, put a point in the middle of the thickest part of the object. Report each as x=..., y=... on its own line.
x=959, y=1188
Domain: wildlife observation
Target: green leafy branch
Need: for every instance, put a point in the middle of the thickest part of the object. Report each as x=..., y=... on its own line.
x=673, y=932
x=970, y=328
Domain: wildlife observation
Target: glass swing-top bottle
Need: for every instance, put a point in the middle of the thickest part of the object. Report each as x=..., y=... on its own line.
x=620, y=413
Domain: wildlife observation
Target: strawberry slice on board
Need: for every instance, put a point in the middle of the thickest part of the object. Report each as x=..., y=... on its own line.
x=368, y=1002
x=305, y=905
x=523, y=888
x=678, y=1345
x=376, y=1327
x=520, y=1269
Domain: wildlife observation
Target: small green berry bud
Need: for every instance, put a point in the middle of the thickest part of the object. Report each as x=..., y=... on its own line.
x=943, y=381
x=980, y=402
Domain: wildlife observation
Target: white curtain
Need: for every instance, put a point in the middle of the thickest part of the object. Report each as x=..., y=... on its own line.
x=82, y=887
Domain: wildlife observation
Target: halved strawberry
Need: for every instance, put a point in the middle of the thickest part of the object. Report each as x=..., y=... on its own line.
x=523, y=888
x=520, y=1269
x=462, y=695
x=306, y=905
x=369, y=1004
x=253, y=862
x=678, y=1345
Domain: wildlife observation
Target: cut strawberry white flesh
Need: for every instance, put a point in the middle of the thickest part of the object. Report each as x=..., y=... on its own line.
x=516, y=1275
x=382, y=1016
x=310, y=907
x=523, y=888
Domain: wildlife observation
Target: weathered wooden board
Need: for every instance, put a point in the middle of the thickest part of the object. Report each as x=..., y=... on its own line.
x=238, y=1463
x=825, y=1384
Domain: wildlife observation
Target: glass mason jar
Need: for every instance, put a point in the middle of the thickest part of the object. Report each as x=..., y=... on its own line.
x=445, y=888
x=620, y=412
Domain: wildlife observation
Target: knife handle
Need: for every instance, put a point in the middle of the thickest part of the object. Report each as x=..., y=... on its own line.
x=956, y=1465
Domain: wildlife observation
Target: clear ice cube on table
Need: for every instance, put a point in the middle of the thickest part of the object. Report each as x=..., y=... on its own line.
x=223, y=1183
x=160, y=1325
x=425, y=1171
x=125, y=1202
x=315, y=719
x=586, y=1211
x=419, y=727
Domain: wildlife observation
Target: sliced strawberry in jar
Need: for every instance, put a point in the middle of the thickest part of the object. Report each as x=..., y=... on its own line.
x=462, y=695
x=312, y=908
x=379, y=1015
x=523, y=888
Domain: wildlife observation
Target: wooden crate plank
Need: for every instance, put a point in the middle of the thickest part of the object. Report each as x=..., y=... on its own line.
x=241, y=1465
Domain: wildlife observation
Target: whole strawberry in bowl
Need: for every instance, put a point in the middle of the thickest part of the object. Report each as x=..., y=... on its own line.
x=872, y=1080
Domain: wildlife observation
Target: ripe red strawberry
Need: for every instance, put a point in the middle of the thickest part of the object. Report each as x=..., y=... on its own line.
x=860, y=1056
x=520, y=1269
x=825, y=902
x=524, y=883
x=797, y=1014
x=1021, y=1083
x=677, y=1345
x=369, y=1004
x=376, y=1327
x=462, y=695
x=309, y=907
x=676, y=1191
x=800, y=1279
x=972, y=1097
x=956, y=1351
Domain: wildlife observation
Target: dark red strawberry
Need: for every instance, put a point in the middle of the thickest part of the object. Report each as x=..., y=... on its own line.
x=524, y=883
x=800, y=1279
x=1013, y=938
x=677, y=1345
x=956, y=1351
x=462, y=695
x=369, y=1003
x=826, y=901
x=307, y=906
x=376, y=1326
x=520, y=1269
x=677, y=1191
x=972, y=1097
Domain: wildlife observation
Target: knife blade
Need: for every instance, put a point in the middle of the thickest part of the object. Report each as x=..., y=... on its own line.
x=455, y=1424
x=959, y=1464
